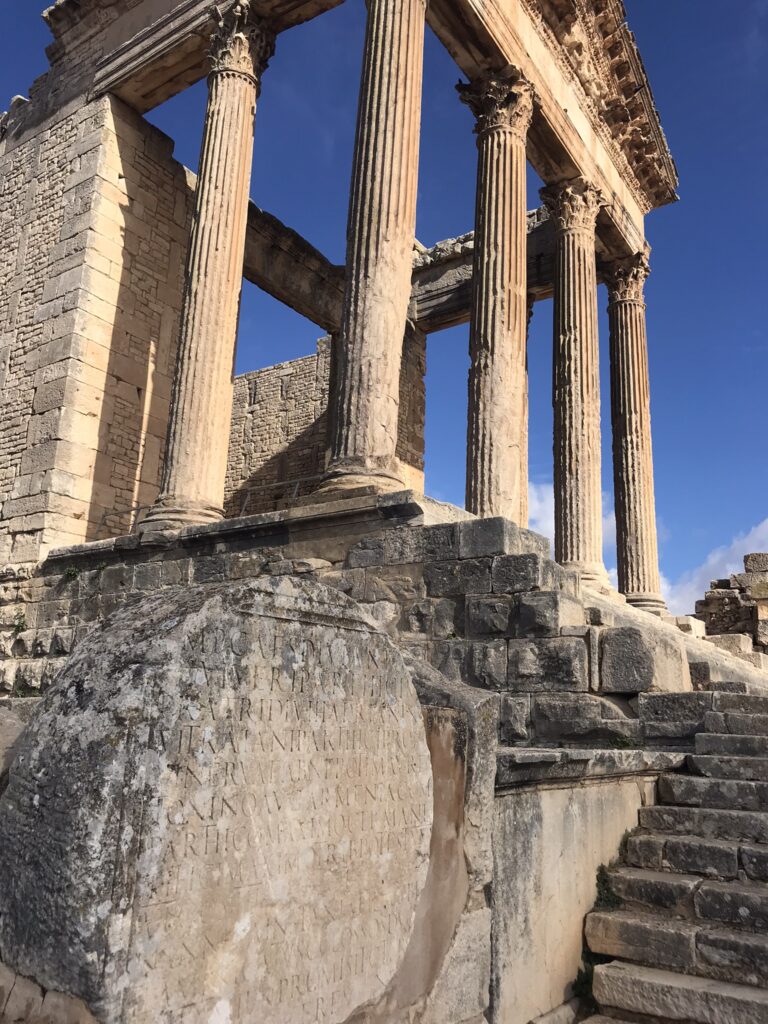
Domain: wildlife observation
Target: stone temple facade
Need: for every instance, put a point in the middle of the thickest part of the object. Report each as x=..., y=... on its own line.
x=283, y=740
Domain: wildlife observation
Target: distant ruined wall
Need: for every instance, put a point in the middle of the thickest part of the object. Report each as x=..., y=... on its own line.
x=278, y=439
x=94, y=218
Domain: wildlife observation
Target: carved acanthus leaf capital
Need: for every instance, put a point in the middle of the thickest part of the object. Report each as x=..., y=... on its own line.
x=573, y=205
x=500, y=100
x=626, y=277
x=242, y=43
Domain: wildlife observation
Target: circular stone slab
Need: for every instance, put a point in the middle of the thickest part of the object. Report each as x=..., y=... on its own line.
x=222, y=813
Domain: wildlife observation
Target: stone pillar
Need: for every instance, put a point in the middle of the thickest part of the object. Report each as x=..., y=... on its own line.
x=192, y=489
x=636, y=540
x=380, y=240
x=497, y=471
x=574, y=206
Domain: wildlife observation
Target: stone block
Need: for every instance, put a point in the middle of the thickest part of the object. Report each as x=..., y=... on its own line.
x=515, y=574
x=559, y=663
x=656, y=941
x=209, y=569
x=753, y=861
x=732, y=955
x=147, y=576
x=116, y=578
x=757, y=562
x=742, y=904
x=461, y=990
x=487, y=664
x=701, y=857
x=441, y=618
x=636, y=661
x=481, y=538
x=644, y=851
x=673, y=715
x=471, y=576
x=369, y=551
x=491, y=616
x=212, y=649
x=547, y=614
x=176, y=572
x=660, y=994
x=572, y=717
x=514, y=719
x=398, y=583
x=421, y=544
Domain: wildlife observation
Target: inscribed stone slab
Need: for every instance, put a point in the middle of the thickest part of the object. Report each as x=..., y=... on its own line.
x=221, y=814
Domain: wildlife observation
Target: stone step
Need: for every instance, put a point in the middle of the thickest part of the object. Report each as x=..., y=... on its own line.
x=732, y=723
x=649, y=939
x=687, y=855
x=712, y=766
x=653, y=890
x=736, y=746
x=692, y=855
x=744, y=904
x=689, y=946
x=670, y=997
x=740, y=703
x=695, y=791
x=735, y=826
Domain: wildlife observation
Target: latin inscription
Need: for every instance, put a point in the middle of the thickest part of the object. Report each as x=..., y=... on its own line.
x=281, y=863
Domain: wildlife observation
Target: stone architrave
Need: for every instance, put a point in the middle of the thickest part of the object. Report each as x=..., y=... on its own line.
x=381, y=234
x=636, y=536
x=497, y=470
x=192, y=488
x=573, y=206
x=222, y=813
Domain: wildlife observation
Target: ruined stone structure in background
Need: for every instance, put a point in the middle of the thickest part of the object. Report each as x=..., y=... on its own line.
x=313, y=748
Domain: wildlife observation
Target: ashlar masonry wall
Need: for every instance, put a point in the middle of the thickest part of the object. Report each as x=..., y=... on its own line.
x=278, y=441
x=94, y=216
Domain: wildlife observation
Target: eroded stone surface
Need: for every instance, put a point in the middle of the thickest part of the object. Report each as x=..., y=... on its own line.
x=230, y=794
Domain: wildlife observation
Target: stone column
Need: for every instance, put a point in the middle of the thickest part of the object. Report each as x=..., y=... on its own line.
x=574, y=206
x=192, y=489
x=497, y=470
x=380, y=239
x=636, y=539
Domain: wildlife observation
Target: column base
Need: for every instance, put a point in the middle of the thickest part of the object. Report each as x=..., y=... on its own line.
x=594, y=576
x=653, y=603
x=174, y=513
x=341, y=478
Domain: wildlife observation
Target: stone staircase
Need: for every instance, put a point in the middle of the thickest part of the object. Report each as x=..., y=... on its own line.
x=684, y=916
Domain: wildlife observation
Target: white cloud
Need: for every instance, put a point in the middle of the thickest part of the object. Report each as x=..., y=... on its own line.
x=682, y=595
x=541, y=509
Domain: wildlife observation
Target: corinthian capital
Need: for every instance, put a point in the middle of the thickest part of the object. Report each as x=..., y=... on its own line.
x=500, y=100
x=573, y=205
x=242, y=43
x=626, y=277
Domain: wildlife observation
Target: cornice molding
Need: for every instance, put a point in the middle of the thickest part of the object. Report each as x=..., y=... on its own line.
x=597, y=52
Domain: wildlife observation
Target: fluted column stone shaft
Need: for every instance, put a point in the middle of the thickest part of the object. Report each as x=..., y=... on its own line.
x=192, y=489
x=380, y=239
x=574, y=207
x=636, y=535
x=497, y=470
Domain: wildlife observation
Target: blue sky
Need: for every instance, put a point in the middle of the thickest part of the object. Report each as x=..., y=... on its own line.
x=707, y=61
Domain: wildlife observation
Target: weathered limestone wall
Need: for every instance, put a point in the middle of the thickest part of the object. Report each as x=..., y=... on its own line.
x=548, y=846
x=278, y=441
x=97, y=212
